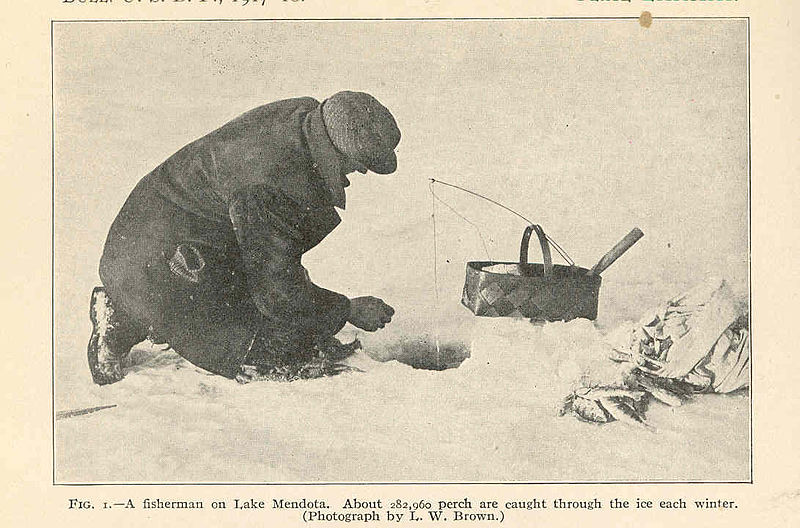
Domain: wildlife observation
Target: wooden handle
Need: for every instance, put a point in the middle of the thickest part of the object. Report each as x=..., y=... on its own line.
x=547, y=259
x=617, y=251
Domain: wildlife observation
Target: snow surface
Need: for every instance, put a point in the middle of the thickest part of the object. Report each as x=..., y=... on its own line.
x=494, y=418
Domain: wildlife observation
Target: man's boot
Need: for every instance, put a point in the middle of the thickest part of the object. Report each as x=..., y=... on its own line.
x=113, y=336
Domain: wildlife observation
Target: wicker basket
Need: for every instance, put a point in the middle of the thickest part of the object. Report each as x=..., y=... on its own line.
x=537, y=291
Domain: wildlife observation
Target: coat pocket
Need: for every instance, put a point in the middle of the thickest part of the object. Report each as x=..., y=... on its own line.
x=187, y=263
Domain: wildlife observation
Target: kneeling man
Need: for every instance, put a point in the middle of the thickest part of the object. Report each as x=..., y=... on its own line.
x=205, y=254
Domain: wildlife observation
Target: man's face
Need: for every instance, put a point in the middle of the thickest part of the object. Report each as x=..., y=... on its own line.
x=348, y=166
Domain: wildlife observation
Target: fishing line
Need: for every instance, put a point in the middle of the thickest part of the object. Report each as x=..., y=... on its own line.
x=435, y=275
x=555, y=244
x=464, y=218
x=436, y=258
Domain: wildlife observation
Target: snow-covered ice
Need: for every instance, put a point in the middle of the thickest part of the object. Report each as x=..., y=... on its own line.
x=494, y=418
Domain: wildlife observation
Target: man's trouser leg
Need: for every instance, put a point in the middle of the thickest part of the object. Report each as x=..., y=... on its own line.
x=194, y=298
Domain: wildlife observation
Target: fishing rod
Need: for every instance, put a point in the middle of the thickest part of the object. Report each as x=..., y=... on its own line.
x=558, y=248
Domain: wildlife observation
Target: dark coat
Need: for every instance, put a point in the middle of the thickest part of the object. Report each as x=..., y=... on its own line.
x=207, y=248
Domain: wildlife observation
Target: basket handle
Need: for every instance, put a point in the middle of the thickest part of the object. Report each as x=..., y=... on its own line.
x=523, y=248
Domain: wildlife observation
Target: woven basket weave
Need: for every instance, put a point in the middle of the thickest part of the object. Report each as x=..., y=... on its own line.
x=537, y=291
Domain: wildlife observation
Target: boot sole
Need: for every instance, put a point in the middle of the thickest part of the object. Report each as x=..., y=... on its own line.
x=102, y=373
x=105, y=372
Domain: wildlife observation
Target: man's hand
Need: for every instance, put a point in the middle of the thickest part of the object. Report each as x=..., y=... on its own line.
x=369, y=313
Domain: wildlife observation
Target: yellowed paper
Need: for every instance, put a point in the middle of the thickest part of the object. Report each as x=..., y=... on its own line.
x=589, y=118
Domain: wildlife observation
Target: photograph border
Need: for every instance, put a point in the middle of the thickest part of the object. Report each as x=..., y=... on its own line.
x=54, y=22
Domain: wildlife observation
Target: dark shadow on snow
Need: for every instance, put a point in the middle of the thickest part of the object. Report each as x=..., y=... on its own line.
x=421, y=353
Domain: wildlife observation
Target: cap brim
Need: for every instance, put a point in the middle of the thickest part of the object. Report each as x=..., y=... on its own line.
x=385, y=166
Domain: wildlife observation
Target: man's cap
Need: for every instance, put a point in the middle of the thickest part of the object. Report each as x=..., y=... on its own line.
x=362, y=129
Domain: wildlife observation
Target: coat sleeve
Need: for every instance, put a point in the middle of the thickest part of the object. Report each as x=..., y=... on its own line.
x=267, y=230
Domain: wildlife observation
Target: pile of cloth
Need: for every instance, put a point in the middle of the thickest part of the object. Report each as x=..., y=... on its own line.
x=698, y=342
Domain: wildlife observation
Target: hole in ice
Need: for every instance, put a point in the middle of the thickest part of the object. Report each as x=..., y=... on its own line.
x=421, y=353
